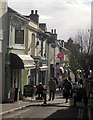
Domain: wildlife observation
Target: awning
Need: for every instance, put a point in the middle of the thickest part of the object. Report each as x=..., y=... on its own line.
x=43, y=68
x=21, y=61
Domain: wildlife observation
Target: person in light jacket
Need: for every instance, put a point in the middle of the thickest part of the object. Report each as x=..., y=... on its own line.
x=52, y=89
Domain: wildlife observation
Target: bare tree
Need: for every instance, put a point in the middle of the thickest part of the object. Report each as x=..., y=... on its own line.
x=83, y=38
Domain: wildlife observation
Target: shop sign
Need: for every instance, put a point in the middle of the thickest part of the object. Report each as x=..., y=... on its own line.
x=60, y=55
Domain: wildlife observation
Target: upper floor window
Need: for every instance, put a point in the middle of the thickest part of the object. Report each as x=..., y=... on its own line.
x=33, y=45
x=19, y=36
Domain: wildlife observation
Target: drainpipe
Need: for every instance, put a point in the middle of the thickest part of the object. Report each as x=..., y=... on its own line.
x=42, y=48
x=48, y=64
x=54, y=62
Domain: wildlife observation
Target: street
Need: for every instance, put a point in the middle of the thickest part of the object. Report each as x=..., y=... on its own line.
x=54, y=109
x=46, y=113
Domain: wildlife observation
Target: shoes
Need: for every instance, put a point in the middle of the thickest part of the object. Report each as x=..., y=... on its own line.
x=49, y=99
x=66, y=101
x=52, y=98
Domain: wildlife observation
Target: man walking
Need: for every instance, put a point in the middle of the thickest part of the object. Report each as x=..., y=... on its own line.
x=52, y=89
x=66, y=88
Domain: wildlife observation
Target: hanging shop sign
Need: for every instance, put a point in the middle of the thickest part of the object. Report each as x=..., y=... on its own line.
x=60, y=55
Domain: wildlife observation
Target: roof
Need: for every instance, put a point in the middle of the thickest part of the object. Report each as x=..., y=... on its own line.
x=10, y=10
x=22, y=17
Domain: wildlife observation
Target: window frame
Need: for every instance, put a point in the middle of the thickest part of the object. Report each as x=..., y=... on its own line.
x=19, y=37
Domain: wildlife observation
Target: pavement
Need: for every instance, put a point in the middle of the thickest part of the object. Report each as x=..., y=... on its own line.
x=27, y=102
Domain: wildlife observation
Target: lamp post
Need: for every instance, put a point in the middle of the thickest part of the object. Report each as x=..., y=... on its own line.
x=48, y=64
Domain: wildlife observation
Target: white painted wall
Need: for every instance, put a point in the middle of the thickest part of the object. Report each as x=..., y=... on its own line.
x=32, y=24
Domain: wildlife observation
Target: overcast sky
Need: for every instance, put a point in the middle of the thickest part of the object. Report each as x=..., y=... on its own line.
x=66, y=16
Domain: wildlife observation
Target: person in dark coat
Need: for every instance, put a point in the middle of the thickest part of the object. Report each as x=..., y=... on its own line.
x=52, y=89
x=66, y=88
x=39, y=90
x=71, y=91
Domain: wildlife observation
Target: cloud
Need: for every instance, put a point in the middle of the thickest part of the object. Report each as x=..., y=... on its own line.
x=67, y=16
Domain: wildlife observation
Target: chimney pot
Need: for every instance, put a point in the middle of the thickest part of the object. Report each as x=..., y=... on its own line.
x=32, y=11
x=52, y=31
x=36, y=12
x=62, y=43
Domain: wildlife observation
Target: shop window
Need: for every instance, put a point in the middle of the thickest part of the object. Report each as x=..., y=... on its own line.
x=19, y=36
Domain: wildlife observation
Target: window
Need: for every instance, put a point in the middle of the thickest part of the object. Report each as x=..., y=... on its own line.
x=33, y=45
x=19, y=36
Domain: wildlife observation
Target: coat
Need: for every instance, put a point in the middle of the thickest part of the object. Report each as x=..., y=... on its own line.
x=52, y=85
x=67, y=85
x=40, y=89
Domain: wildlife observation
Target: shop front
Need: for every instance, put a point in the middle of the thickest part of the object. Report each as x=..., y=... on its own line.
x=43, y=74
x=41, y=70
x=19, y=66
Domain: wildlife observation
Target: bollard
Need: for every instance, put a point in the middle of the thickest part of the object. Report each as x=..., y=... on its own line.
x=45, y=96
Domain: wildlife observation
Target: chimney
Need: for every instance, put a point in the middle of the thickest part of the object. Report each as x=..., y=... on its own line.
x=55, y=34
x=35, y=12
x=52, y=31
x=32, y=12
x=62, y=43
x=43, y=26
x=34, y=16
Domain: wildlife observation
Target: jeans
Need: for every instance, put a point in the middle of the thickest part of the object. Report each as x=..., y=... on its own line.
x=51, y=95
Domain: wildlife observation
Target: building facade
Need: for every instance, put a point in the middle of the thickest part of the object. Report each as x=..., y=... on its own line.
x=28, y=53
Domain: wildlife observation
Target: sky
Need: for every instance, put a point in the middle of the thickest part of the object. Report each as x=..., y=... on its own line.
x=68, y=17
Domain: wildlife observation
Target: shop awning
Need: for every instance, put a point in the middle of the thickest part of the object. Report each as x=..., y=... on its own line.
x=43, y=68
x=21, y=61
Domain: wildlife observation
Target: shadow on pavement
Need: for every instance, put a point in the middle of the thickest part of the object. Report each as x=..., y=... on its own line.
x=65, y=113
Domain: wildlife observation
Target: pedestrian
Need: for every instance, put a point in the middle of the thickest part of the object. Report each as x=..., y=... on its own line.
x=60, y=84
x=40, y=90
x=66, y=88
x=52, y=89
x=71, y=91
